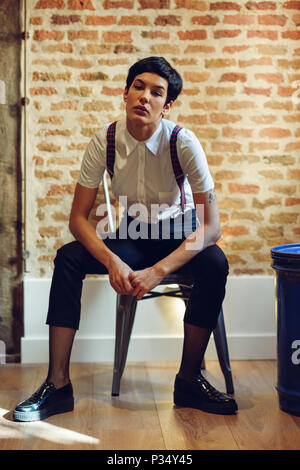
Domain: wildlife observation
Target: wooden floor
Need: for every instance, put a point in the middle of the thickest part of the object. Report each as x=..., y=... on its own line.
x=143, y=416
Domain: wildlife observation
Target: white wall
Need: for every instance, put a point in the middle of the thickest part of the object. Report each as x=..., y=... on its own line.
x=249, y=311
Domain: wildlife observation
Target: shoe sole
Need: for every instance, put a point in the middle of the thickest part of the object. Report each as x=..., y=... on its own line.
x=183, y=402
x=63, y=407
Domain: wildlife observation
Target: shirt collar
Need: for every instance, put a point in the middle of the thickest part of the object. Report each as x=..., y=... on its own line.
x=152, y=143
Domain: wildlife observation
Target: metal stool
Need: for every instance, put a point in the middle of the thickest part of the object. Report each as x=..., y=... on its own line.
x=126, y=308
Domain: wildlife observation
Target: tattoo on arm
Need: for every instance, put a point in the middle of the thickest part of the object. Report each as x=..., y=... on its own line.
x=212, y=196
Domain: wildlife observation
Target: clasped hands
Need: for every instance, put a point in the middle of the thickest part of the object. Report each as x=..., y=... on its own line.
x=137, y=283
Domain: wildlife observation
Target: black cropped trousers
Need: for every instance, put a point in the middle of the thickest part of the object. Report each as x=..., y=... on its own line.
x=209, y=269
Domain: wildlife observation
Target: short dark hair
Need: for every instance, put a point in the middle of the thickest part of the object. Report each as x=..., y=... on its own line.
x=161, y=67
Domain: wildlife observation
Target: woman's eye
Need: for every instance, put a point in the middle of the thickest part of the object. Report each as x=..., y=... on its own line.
x=157, y=93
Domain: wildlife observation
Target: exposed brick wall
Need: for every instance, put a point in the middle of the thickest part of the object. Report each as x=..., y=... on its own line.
x=238, y=61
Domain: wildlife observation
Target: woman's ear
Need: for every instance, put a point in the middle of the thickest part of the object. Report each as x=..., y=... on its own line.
x=125, y=93
x=167, y=107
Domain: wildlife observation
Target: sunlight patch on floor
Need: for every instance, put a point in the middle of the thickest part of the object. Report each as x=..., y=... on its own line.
x=42, y=430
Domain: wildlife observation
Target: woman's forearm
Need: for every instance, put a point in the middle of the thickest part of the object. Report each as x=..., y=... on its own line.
x=86, y=234
x=200, y=239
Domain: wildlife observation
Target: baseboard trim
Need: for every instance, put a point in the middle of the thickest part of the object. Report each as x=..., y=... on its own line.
x=35, y=350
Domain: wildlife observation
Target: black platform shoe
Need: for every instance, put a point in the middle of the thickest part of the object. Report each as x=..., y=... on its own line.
x=46, y=401
x=203, y=396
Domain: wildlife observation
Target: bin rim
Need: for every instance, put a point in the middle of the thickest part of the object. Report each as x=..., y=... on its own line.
x=286, y=251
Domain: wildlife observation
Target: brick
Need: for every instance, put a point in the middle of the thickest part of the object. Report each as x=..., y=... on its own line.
x=78, y=64
x=284, y=217
x=231, y=147
x=191, y=4
x=192, y=119
x=261, y=5
x=206, y=20
x=126, y=4
x=271, y=174
x=165, y=49
x=293, y=5
x=97, y=105
x=60, y=217
x=64, y=161
x=294, y=174
x=269, y=202
x=81, y=91
x=48, y=147
x=285, y=160
x=224, y=118
x=87, y=119
x=36, y=20
x=154, y=4
x=220, y=91
x=196, y=76
x=245, y=245
x=164, y=20
x=248, y=271
x=56, y=174
x=83, y=34
x=283, y=189
x=133, y=20
x=234, y=231
x=270, y=77
x=53, y=48
x=192, y=35
x=100, y=20
x=274, y=133
x=44, y=4
x=292, y=201
x=233, y=77
x=219, y=63
x=112, y=91
x=295, y=35
x=227, y=175
x=72, y=105
x=38, y=160
x=48, y=201
x=80, y=5
x=50, y=232
x=270, y=232
x=61, y=189
x=232, y=203
x=65, y=19
x=227, y=33
x=237, y=133
x=48, y=91
x=93, y=76
x=96, y=49
x=125, y=48
x=117, y=36
x=192, y=49
x=43, y=35
x=53, y=77
x=243, y=188
x=257, y=91
x=239, y=19
x=279, y=20
x=155, y=35
x=253, y=216
x=259, y=61
x=224, y=6
x=272, y=35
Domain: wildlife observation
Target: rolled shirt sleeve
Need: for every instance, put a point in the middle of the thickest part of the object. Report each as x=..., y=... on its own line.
x=193, y=162
x=94, y=161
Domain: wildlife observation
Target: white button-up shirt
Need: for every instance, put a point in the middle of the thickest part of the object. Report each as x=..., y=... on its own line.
x=143, y=171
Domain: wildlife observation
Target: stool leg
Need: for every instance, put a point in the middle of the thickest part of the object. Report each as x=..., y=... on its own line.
x=126, y=307
x=222, y=351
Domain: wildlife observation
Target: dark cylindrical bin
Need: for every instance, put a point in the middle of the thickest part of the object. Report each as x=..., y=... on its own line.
x=286, y=262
